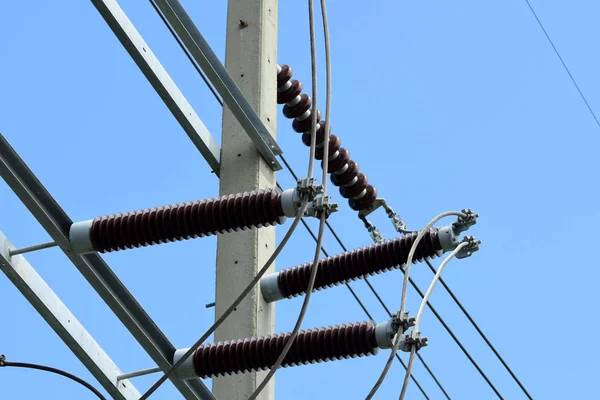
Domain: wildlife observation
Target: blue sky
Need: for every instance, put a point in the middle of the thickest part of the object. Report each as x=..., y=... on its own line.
x=445, y=105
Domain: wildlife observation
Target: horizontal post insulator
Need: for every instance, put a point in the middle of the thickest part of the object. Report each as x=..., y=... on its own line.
x=235, y=212
x=260, y=353
x=351, y=265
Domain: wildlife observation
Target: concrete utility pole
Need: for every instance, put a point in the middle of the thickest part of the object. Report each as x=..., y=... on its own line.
x=251, y=60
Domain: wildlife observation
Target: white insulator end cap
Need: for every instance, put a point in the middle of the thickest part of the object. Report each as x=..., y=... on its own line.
x=79, y=236
x=449, y=240
x=384, y=334
x=186, y=371
x=269, y=286
x=290, y=202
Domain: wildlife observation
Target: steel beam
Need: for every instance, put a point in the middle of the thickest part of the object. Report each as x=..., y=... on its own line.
x=221, y=80
x=160, y=80
x=94, y=269
x=64, y=323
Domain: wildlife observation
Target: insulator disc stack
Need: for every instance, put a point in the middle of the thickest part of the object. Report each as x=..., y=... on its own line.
x=260, y=353
x=259, y=208
x=358, y=263
x=344, y=172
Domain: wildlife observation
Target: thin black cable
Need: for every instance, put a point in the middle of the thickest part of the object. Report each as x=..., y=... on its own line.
x=371, y=318
x=463, y=309
x=4, y=363
x=187, y=53
x=458, y=342
x=572, y=80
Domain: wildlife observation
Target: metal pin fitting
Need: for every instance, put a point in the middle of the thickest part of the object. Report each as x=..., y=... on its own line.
x=472, y=247
x=402, y=321
x=464, y=223
x=413, y=339
x=320, y=205
x=450, y=235
x=308, y=189
x=379, y=202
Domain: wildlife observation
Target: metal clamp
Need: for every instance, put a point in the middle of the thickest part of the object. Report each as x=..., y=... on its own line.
x=386, y=331
x=472, y=247
x=376, y=204
x=401, y=321
x=449, y=235
x=375, y=234
x=320, y=205
x=2, y=359
x=464, y=223
x=307, y=189
x=413, y=339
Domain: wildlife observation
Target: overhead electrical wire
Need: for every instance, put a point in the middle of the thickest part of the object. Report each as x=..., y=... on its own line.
x=290, y=169
x=229, y=310
x=313, y=142
x=4, y=363
x=435, y=279
x=572, y=80
x=406, y=271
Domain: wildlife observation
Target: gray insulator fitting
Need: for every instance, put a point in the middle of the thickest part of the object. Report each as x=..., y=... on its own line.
x=186, y=371
x=79, y=236
x=269, y=286
x=290, y=202
x=448, y=238
x=384, y=334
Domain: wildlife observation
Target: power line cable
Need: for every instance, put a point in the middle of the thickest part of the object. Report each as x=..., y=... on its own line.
x=313, y=144
x=428, y=293
x=572, y=80
x=487, y=341
x=399, y=335
x=4, y=363
x=232, y=307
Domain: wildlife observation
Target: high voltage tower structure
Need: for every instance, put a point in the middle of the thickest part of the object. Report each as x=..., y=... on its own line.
x=247, y=351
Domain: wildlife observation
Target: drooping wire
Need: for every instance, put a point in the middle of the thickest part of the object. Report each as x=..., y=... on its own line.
x=4, y=363
x=406, y=271
x=314, y=116
x=574, y=83
x=229, y=310
x=428, y=293
x=290, y=169
x=478, y=329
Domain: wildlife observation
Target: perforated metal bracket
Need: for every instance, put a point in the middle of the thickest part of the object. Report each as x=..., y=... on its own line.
x=413, y=339
x=472, y=247
x=320, y=205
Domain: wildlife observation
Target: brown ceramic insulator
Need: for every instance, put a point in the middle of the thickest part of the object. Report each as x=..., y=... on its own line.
x=311, y=345
x=355, y=189
x=359, y=263
x=339, y=162
x=284, y=75
x=342, y=162
x=306, y=124
x=290, y=93
x=347, y=176
x=334, y=145
x=365, y=201
x=299, y=108
x=187, y=220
